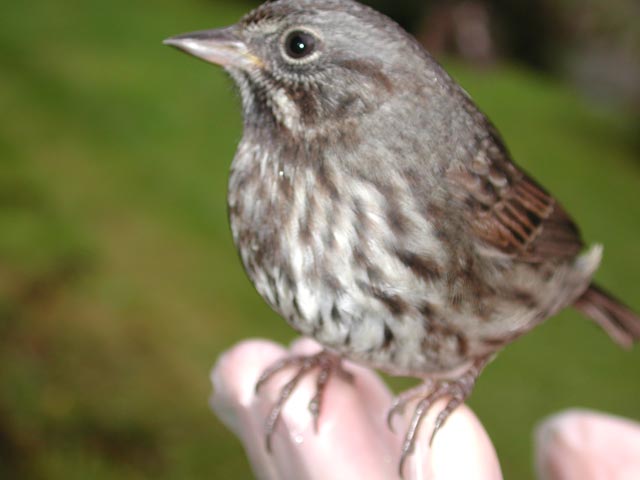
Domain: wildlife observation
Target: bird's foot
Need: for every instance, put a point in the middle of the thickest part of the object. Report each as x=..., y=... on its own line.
x=325, y=363
x=427, y=394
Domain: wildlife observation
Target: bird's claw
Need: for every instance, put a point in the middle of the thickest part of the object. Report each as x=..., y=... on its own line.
x=430, y=392
x=326, y=364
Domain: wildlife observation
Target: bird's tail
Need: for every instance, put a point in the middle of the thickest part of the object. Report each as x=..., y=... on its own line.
x=620, y=323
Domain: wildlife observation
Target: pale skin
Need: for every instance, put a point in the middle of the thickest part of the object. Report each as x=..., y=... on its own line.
x=353, y=440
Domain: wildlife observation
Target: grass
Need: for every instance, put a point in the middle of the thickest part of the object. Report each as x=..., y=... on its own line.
x=119, y=284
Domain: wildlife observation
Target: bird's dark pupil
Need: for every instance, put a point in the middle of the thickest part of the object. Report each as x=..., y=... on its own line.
x=300, y=44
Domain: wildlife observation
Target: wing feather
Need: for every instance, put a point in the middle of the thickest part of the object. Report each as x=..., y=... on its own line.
x=508, y=210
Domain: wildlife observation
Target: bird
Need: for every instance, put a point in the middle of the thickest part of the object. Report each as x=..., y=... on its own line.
x=377, y=209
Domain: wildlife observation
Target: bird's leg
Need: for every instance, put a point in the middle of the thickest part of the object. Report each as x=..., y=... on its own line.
x=431, y=391
x=324, y=362
x=401, y=401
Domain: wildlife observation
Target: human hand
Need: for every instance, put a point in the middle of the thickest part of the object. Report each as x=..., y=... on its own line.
x=353, y=440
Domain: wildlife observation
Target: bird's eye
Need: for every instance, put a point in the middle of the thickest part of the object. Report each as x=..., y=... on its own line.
x=299, y=44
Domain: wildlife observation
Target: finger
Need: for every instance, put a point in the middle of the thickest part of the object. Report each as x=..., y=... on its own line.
x=352, y=440
x=461, y=449
x=234, y=378
x=587, y=445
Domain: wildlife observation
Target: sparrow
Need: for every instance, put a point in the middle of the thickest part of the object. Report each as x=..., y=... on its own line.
x=377, y=209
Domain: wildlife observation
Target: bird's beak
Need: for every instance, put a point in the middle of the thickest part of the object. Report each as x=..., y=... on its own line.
x=222, y=47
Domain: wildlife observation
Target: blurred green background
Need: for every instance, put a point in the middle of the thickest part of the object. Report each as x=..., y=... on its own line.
x=119, y=284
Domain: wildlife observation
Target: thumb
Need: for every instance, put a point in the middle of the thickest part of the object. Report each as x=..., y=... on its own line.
x=587, y=445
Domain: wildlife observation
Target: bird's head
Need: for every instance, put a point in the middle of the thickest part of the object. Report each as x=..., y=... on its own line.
x=305, y=65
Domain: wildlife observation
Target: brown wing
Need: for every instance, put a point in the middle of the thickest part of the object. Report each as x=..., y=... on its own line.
x=508, y=210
